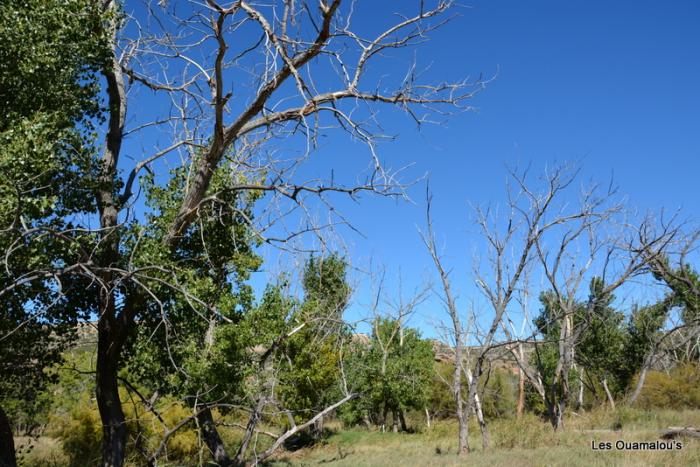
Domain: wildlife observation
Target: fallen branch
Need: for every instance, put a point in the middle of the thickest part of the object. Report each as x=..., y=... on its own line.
x=674, y=432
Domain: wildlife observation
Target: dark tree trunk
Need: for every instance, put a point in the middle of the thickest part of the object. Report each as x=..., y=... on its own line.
x=212, y=439
x=114, y=430
x=402, y=419
x=7, y=442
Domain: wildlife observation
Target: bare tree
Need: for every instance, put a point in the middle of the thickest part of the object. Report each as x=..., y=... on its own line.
x=517, y=242
x=225, y=96
x=457, y=331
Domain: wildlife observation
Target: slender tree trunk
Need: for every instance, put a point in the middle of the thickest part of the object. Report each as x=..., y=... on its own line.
x=395, y=421
x=7, y=442
x=427, y=417
x=463, y=434
x=607, y=393
x=462, y=419
x=211, y=438
x=111, y=329
x=641, y=379
x=579, y=398
x=474, y=398
x=318, y=428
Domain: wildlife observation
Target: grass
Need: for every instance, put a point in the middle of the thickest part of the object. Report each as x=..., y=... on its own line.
x=525, y=442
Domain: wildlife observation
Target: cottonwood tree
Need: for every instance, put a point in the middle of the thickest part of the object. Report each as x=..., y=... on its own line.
x=228, y=84
x=510, y=244
x=458, y=335
x=598, y=241
x=49, y=58
x=653, y=331
x=392, y=372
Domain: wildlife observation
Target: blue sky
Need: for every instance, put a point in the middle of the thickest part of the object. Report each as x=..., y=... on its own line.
x=613, y=85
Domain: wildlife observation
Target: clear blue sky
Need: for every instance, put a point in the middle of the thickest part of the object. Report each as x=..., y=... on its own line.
x=613, y=84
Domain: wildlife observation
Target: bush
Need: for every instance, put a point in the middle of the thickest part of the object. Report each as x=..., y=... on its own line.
x=80, y=432
x=679, y=389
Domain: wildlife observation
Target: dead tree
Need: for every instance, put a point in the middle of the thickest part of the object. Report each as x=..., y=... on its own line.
x=226, y=96
x=596, y=243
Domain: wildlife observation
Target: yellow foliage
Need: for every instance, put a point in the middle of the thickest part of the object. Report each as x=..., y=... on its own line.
x=678, y=389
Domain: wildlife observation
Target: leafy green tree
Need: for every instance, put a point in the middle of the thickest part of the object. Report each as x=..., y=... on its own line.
x=311, y=367
x=205, y=359
x=600, y=351
x=49, y=55
x=394, y=373
x=189, y=59
x=599, y=348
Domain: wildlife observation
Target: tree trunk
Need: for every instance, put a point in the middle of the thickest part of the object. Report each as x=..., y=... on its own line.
x=427, y=417
x=402, y=419
x=579, y=398
x=317, y=428
x=114, y=430
x=395, y=421
x=385, y=414
x=366, y=420
x=485, y=438
x=463, y=434
x=607, y=393
x=642, y=377
x=462, y=420
x=211, y=438
x=7, y=442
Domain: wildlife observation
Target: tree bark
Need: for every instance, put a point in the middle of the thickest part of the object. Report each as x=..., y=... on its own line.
x=607, y=393
x=485, y=438
x=212, y=439
x=112, y=329
x=640, y=383
x=642, y=377
x=114, y=430
x=579, y=399
x=385, y=414
x=7, y=442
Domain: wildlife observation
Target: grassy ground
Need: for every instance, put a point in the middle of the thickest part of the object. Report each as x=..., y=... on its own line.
x=526, y=442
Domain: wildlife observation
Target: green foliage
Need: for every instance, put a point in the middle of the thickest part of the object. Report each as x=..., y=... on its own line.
x=677, y=389
x=310, y=367
x=500, y=394
x=441, y=402
x=600, y=351
x=179, y=348
x=49, y=55
x=644, y=328
x=394, y=372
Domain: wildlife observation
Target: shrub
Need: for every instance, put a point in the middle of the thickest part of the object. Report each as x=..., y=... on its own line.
x=679, y=389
